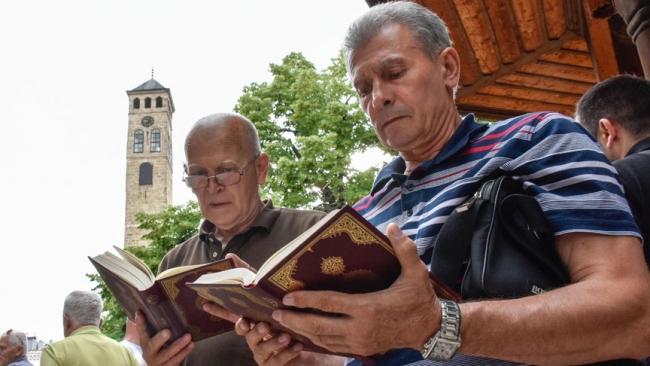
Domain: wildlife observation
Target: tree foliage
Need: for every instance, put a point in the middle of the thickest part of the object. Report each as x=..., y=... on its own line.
x=165, y=230
x=310, y=124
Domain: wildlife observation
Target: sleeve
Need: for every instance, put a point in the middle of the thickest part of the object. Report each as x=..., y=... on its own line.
x=574, y=182
x=48, y=358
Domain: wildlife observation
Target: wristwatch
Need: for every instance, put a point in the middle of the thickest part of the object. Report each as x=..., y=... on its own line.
x=444, y=344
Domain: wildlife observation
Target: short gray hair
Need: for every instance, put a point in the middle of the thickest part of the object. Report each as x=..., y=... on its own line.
x=428, y=29
x=83, y=308
x=16, y=339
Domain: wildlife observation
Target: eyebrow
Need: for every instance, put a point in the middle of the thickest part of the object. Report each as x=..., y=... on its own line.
x=383, y=65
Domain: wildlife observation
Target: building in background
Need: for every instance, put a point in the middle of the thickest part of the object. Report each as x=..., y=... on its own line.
x=148, y=155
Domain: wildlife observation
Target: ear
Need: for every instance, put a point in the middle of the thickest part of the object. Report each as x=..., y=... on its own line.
x=608, y=132
x=101, y=321
x=262, y=166
x=451, y=64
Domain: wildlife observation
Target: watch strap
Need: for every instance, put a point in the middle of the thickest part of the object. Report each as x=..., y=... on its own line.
x=443, y=345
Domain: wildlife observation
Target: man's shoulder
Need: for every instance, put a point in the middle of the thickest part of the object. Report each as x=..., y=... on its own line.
x=177, y=256
x=299, y=218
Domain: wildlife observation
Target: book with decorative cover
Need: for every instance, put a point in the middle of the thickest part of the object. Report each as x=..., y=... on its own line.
x=165, y=300
x=342, y=252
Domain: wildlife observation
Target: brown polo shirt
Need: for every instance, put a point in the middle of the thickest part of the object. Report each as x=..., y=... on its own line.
x=271, y=230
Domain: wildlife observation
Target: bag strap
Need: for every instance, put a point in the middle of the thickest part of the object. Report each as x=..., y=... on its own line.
x=453, y=245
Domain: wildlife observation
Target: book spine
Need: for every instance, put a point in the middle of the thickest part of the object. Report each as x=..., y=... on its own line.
x=161, y=314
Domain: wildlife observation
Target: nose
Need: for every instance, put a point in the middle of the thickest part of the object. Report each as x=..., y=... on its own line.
x=381, y=95
x=213, y=186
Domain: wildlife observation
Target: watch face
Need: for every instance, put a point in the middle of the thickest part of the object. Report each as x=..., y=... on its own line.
x=147, y=121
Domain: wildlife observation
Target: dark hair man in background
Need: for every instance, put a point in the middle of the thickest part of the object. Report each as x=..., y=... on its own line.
x=617, y=112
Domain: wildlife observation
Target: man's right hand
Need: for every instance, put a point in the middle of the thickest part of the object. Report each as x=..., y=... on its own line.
x=276, y=351
x=154, y=351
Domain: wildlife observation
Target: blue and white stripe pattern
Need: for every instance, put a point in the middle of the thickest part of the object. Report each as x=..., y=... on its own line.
x=552, y=156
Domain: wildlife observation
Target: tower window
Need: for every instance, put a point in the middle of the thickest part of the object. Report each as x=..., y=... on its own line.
x=155, y=140
x=136, y=103
x=159, y=102
x=147, y=102
x=138, y=141
x=146, y=174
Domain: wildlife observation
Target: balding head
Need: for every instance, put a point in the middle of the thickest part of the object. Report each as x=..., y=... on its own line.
x=13, y=345
x=227, y=168
x=226, y=128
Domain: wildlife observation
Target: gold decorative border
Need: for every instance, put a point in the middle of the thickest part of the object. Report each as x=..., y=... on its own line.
x=346, y=223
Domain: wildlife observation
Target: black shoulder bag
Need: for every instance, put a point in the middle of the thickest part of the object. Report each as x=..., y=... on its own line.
x=502, y=240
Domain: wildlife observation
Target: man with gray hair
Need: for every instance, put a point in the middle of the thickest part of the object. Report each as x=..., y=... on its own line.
x=404, y=69
x=84, y=344
x=13, y=348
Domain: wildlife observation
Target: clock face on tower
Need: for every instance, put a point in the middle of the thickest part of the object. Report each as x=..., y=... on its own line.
x=147, y=121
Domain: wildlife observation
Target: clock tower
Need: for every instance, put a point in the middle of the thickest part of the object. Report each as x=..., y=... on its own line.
x=148, y=155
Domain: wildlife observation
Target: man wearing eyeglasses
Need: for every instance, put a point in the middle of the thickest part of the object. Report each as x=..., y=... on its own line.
x=225, y=169
x=13, y=349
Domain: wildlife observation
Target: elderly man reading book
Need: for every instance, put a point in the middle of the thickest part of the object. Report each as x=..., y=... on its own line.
x=225, y=168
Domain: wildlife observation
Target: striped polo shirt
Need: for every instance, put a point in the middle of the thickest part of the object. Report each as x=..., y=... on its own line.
x=550, y=155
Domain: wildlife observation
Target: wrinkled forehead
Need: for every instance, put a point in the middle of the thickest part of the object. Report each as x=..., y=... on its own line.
x=207, y=142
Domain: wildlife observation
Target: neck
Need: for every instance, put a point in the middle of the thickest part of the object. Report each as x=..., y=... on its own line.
x=432, y=147
x=225, y=234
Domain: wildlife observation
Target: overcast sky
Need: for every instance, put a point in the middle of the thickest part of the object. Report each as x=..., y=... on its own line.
x=65, y=67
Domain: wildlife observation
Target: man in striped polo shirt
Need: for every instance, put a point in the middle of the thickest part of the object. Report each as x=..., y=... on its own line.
x=401, y=62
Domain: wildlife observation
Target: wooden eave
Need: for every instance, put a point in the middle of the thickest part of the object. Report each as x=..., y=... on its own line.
x=521, y=56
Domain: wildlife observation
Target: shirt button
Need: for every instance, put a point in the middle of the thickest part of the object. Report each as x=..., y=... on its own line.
x=211, y=240
x=409, y=212
x=215, y=255
x=409, y=186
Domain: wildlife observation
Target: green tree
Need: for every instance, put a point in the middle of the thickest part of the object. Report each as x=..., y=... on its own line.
x=165, y=230
x=310, y=124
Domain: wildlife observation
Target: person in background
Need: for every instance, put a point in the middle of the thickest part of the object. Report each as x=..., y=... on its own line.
x=84, y=344
x=132, y=341
x=13, y=348
x=617, y=112
x=225, y=169
x=402, y=64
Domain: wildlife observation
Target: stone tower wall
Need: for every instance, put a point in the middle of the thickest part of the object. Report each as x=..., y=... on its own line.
x=155, y=197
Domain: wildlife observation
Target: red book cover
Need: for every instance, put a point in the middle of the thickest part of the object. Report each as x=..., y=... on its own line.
x=167, y=302
x=345, y=254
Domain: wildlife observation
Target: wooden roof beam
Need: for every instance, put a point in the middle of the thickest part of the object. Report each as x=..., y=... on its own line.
x=510, y=69
x=599, y=39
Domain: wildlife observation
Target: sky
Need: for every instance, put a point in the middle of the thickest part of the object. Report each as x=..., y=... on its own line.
x=65, y=67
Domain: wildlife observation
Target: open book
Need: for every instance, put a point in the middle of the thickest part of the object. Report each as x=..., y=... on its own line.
x=165, y=300
x=342, y=252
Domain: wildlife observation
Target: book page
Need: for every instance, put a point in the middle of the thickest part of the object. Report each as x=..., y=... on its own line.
x=136, y=262
x=288, y=249
x=175, y=270
x=124, y=270
x=242, y=276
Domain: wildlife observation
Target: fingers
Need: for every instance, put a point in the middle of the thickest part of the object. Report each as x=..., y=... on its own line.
x=154, y=351
x=220, y=312
x=267, y=350
x=239, y=263
x=405, y=249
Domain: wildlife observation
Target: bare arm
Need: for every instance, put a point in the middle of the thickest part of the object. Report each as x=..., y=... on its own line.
x=603, y=314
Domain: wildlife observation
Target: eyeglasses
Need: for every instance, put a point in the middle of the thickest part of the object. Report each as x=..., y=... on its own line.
x=222, y=179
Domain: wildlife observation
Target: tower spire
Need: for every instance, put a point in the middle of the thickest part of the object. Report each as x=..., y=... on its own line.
x=152, y=72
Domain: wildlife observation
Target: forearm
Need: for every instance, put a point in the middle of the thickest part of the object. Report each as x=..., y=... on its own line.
x=585, y=322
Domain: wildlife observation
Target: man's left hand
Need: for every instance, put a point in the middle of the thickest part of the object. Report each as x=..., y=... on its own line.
x=409, y=308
